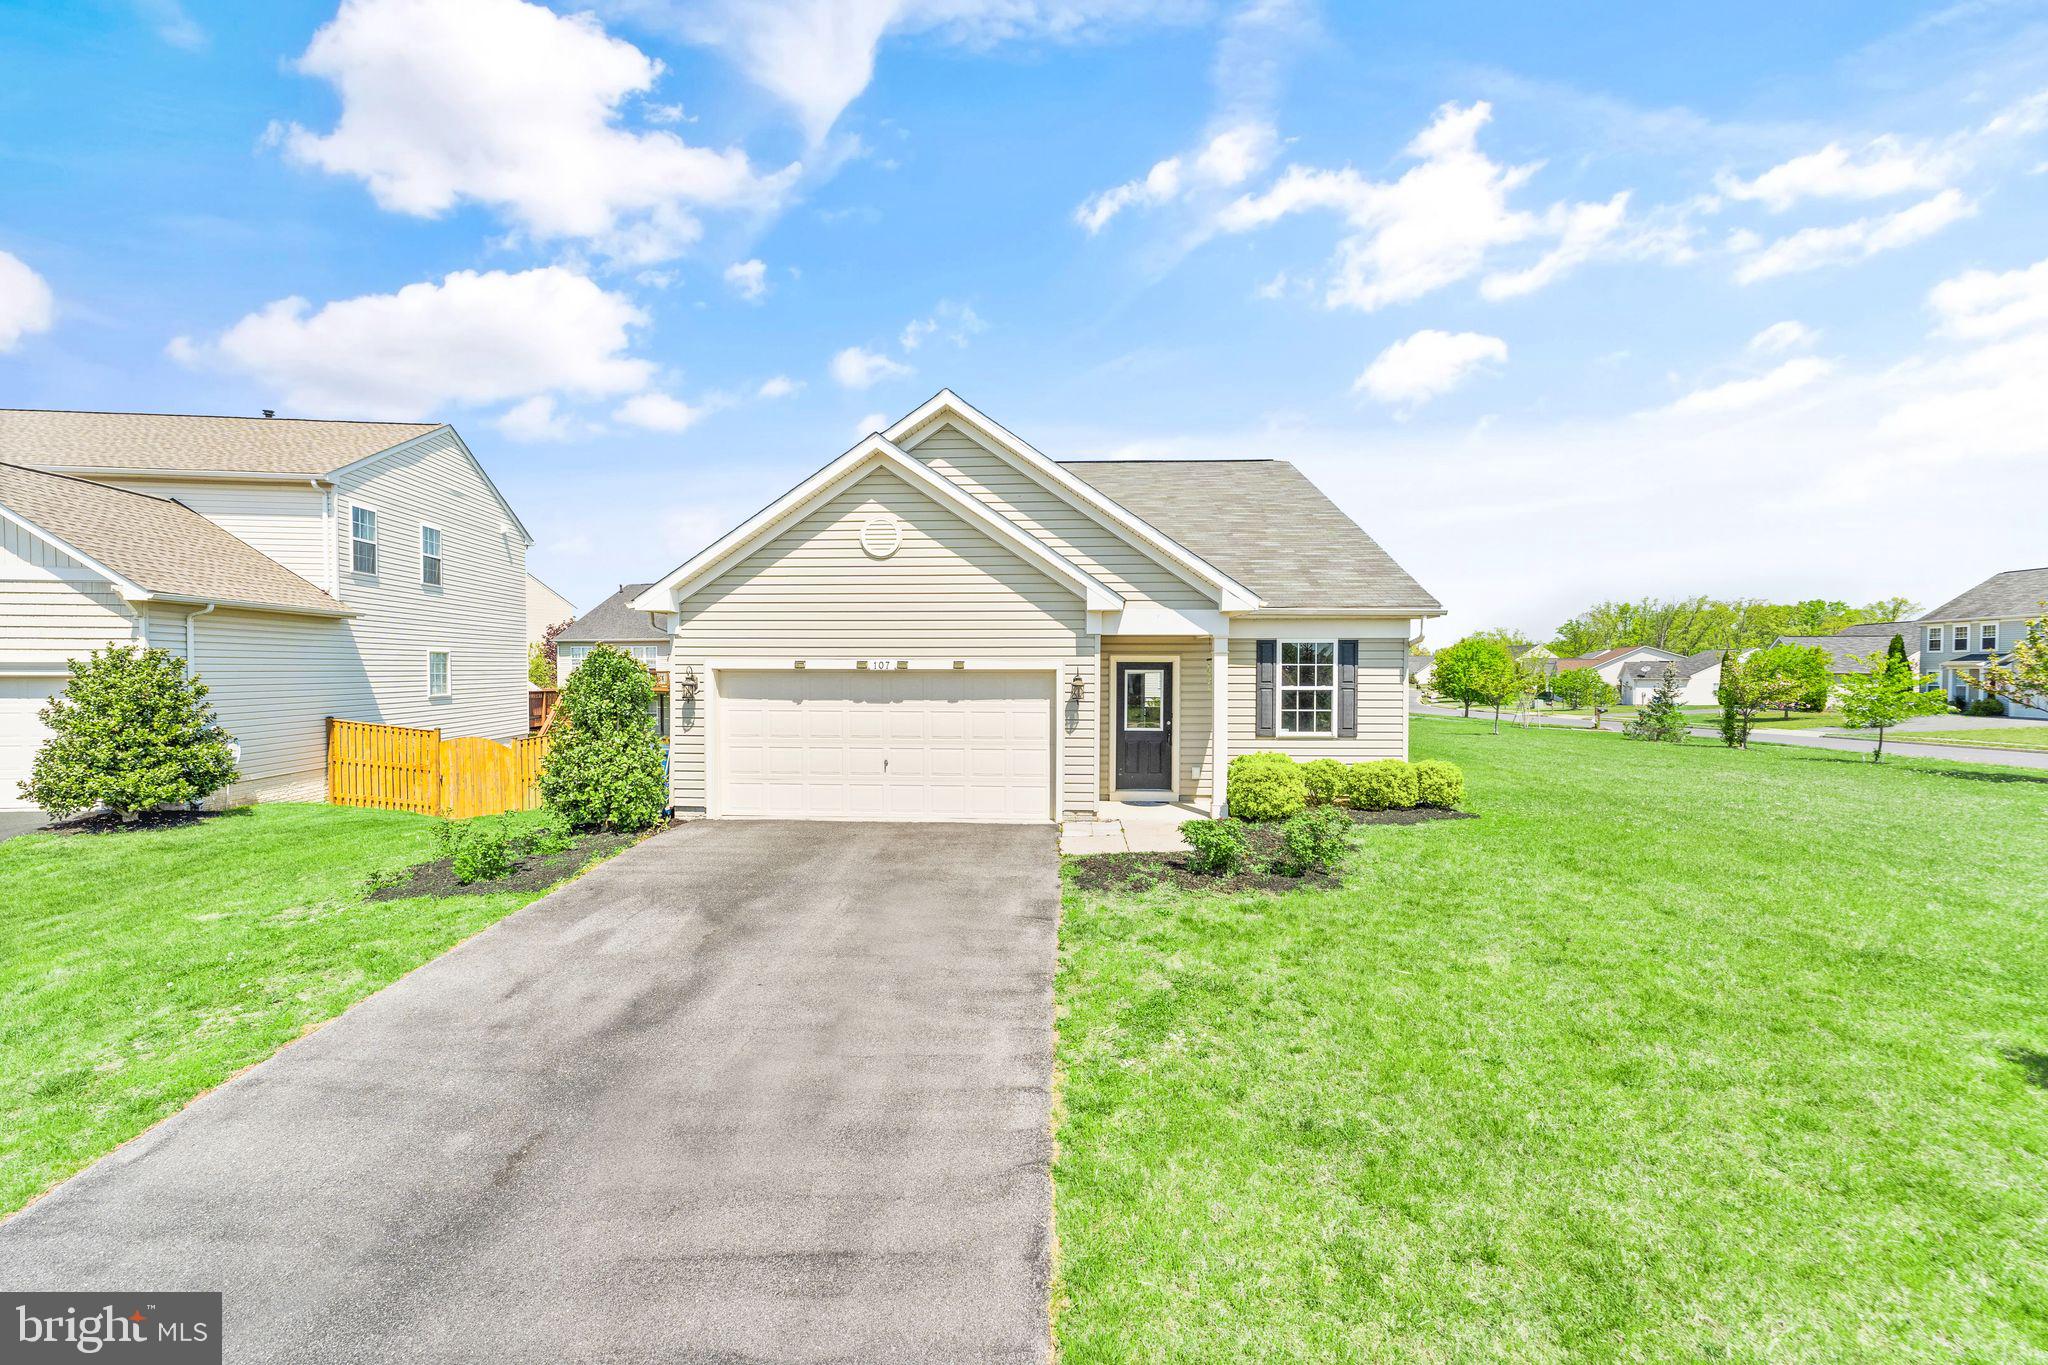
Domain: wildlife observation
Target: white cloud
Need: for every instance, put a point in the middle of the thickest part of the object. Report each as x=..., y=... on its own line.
x=1738, y=395
x=1815, y=247
x=1582, y=231
x=511, y=105
x=1226, y=160
x=855, y=368
x=781, y=386
x=1979, y=303
x=873, y=422
x=657, y=412
x=749, y=279
x=817, y=56
x=535, y=419
x=471, y=339
x=26, y=304
x=1780, y=337
x=170, y=22
x=1882, y=168
x=954, y=322
x=1427, y=365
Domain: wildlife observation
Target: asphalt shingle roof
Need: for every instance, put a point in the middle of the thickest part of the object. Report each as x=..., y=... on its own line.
x=159, y=544
x=186, y=444
x=2016, y=592
x=612, y=621
x=1264, y=524
x=1845, y=652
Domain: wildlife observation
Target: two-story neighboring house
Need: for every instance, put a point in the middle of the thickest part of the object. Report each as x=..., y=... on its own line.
x=1960, y=636
x=614, y=622
x=304, y=569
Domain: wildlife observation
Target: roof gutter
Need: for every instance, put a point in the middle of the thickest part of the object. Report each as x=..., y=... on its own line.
x=92, y=471
x=191, y=653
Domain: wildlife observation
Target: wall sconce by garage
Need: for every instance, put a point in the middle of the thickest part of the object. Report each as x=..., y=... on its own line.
x=1077, y=685
x=686, y=686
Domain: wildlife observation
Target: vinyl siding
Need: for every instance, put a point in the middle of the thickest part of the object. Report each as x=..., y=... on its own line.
x=1193, y=724
x=478, y=614
x=52, y=607
x=1066, y=529
x=1382, y=692
x=288, y=522
x=950, y=592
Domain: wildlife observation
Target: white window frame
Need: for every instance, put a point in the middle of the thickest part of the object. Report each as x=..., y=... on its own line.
x=447, y=659
x=373, y=541
x=1988, y=629
x=1281, y=688
x=1959, y=638
x=1134, y=668
x=652, y=658
x=440, y=577
x=1934, y=639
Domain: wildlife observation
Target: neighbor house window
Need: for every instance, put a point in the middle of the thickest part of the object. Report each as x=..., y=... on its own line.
x=1934, y=637
x=430, y=556
x=646, y=654
x=1987, y=635
x=1962, y=637
x=362, y=533
x=567, y=657
x=437, y=673
x=1308, y=687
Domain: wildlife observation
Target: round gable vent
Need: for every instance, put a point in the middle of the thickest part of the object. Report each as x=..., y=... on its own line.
x=881, y=535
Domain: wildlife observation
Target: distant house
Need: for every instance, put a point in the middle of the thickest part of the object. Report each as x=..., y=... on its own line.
x=544, y=607
x=1960, y=636
x=1609, y=663
x=1699, y=676
x=1418, y=668
x=1849, y=648
x=614, y=622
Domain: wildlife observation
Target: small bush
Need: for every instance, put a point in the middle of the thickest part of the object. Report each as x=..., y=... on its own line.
x=549, y=839
x=1315, y=839
x=603, y=767
x=1985, y=706
x=1383, y=784
x=1266, y=786
x=1325, y=780
x=131, y=731
x=1439, y=784
x=1217, y=846
x=478, y=850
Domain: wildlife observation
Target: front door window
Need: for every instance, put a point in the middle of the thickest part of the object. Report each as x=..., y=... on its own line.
x=1145, y=699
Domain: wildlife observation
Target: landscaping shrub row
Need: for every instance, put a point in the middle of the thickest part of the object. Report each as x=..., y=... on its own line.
x=1270, y=786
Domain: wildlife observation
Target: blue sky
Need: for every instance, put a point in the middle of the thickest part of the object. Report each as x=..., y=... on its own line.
x=1560, y=302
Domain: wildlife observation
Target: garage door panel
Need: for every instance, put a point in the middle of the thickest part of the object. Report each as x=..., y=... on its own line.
x=965, y=744
x=21, y=734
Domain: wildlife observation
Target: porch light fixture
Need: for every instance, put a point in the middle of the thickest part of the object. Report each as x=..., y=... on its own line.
x=687, y=684
x=1077, y=685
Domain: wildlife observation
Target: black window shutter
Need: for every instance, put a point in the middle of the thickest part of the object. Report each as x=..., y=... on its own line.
x=1347, y=689
x=1269, y=685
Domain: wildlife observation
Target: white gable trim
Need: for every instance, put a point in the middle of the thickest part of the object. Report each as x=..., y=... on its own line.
x=875, y=452
x=130, y=590
x=1112, y=516
x=403, y=446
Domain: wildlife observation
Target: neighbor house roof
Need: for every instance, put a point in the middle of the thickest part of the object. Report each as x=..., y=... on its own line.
x=1608, y=656
x=156, y=545
x=614, y=621
x=176, y=443
x=1264, y=524
x=2016, y=592
x=1883, y=629
x=1845, y=651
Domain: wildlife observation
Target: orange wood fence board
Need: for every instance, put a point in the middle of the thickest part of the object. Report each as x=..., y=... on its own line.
x=398, y=767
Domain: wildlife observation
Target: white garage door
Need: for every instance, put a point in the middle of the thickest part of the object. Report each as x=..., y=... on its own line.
x=21, y=734
x=902, y=745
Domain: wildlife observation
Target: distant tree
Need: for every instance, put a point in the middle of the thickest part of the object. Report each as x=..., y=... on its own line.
x=542, y=661
x=1734, y=732
x=1891, y=609
x=1798, y=676
x=1582, y=687
x=1478, y=671
x=603, y=766
x=1762, y=680
x=2022, y=676
x=131, y=731
x=1895, y=652
x=1695, y=624
x=1661, y=721
x=1889, y=692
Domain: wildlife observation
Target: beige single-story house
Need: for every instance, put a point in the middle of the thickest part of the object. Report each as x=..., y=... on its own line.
x=945, y=624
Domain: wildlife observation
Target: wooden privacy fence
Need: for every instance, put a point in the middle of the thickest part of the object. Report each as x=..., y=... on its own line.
x=398, y=767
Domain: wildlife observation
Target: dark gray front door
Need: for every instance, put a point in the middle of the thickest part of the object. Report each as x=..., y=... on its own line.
x=1144, y=727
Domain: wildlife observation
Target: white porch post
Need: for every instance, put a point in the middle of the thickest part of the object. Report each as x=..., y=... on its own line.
x=1219, y=719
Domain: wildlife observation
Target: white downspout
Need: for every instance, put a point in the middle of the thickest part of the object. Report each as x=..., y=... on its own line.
x=191, y=657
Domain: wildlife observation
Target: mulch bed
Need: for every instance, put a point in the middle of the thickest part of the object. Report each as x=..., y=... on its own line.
x=1133, y=872
x=106, y=822
x=530, y=873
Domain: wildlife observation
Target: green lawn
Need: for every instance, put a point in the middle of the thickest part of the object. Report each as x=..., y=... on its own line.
x=1677, y=1052
x=144, y=968
x=2003, y=737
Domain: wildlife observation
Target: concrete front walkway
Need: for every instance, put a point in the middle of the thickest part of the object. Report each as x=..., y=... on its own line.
x=749, y=1091
x=1130, y=827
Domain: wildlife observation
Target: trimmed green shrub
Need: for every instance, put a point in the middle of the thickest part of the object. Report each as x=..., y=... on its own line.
x=1265, y=786
x=478, y=850
x=131, y=732
x=1985, y=706
x=1316, y=839
x=1325, y=780
x=549, y=839
x=1383, y=784
x=1217, y=846
x=603, y=768
x=1439, y=784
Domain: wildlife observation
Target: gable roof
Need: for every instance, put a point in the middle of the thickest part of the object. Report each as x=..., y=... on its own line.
x=176, y=443
x=154, y=548
x=2016, y=592
x=1608, y=656
x=874, y=452
x=1267, y=526
x=1884, y=629
x=945, y=407
x=614, y=621
x=1845, y=651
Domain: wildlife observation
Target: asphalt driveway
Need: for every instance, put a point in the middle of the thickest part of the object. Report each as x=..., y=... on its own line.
x=750, y=1091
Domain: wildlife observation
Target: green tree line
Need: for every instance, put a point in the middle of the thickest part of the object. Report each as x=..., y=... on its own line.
x=1700, y=623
